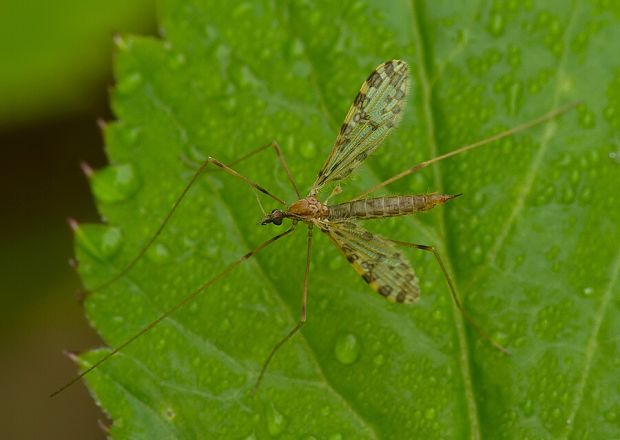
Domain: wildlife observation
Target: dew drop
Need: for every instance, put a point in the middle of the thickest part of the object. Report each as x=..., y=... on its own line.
x=243, y=9
x=131, y=135
x=158, y=254
x=586, y=195
x=225, y=325
x=519, y=259
x=379, y=360
x=230, y=105
x=243, y=77
x=129, y=83
x=212, y=251
x=276, y=422
x=568, y=195
x=177, y=61
x=308, y=150
x=347, y=348
x=588, y=291
x=115, y=183
x=527, y=408
x=514, y=56
x=514, y=97
x=336, y=263
x=430, y=413
x=496, y=24
x=293, y=48
x=323, y=304
x=476, y=255
x=552, y=253
x=586, y=119
x=478, y=199
x=418, y=183
x=100, y=241
x=192, y=308
x=501, y=338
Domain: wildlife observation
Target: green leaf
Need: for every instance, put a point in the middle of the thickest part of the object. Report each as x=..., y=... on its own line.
x=532, y=245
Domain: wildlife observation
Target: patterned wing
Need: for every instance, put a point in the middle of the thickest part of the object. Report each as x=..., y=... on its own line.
x=377, y=260
x=377, y=109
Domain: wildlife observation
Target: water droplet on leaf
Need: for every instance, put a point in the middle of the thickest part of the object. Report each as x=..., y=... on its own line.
x=158, y=253
x=347, y=348
x=496, y=24
x=129, y=83
x=115, y=183
x=308, y=150
x=100, y=241
x=276, y=423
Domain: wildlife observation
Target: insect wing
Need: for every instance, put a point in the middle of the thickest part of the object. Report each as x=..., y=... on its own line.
x=377, y=260
x=377, y=109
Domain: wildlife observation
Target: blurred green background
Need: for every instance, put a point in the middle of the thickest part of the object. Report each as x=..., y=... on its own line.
x=56, y=71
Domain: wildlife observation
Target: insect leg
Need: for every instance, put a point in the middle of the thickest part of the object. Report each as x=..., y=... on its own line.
x=187, y=299
x=455, y=298
x=276, y=147
x=302, y=317
x=177, y=202
x=527, y=125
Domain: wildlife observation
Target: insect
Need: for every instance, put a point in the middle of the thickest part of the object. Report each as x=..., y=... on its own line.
x=375, y=112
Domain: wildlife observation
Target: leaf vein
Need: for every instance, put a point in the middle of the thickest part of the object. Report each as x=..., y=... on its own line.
x=592, y=347
x=427, y=97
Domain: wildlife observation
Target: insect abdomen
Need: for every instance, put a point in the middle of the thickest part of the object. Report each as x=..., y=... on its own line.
x=391, y=206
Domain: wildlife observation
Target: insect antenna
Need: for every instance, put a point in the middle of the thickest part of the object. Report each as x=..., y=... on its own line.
x=273, y=144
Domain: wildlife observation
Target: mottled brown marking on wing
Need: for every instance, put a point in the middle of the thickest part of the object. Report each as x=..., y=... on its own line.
x=377, y=261
x=376, y=110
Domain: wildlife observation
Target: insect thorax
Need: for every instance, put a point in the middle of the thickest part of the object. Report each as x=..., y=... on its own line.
x=308, y=208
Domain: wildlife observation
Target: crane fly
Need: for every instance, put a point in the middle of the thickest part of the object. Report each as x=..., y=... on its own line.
x=375, y=112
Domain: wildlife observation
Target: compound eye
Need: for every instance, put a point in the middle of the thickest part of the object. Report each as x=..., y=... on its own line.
x=277, y=221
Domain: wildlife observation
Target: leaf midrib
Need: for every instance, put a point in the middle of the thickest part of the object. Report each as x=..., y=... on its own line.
x=427, y=96
x=592, y=346
x=469, y=395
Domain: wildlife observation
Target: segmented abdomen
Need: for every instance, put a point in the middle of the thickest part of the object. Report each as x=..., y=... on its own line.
x=391, y=206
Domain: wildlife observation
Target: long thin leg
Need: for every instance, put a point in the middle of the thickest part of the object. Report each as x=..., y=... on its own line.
x=274, y=144
x=177, y=202
x=276, y=147
x=455, y=298
x=176, y=307
x=302, y=317
x=544, y=118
